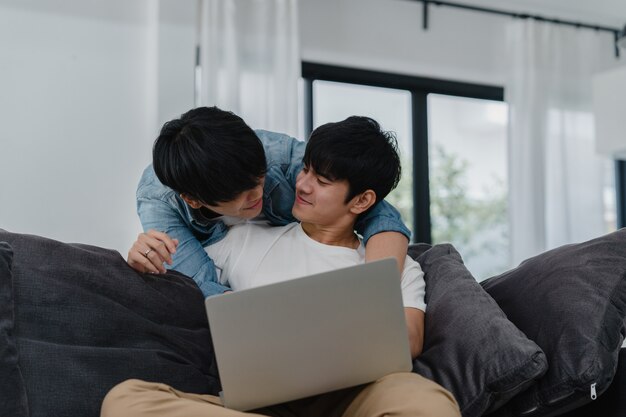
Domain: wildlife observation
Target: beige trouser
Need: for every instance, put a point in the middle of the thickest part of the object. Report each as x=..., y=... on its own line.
x=398, y=395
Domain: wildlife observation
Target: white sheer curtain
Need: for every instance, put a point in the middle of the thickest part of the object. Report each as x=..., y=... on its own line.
x=556, y=178
x=249, y=60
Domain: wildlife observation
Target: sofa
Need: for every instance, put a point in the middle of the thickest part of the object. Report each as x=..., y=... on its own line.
x=543, y=339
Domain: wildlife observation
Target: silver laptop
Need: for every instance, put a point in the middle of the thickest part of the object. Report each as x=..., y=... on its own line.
x=308, y=336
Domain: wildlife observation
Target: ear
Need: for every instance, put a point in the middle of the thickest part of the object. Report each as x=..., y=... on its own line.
x=362, y=202
x=193, y=203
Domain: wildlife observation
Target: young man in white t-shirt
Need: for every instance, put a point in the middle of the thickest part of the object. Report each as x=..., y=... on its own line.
x=349, y=166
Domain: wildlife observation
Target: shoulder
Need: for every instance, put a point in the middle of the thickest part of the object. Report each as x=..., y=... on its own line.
x=413, y=285
x=150, y=187
x=269, y=136
x=279, y=147
x=412, y=270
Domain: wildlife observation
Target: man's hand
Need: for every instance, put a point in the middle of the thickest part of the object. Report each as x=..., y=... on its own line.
x=150, y=251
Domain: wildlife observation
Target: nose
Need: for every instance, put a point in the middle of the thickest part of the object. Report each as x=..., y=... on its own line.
x=303, y=183
x=255, y=193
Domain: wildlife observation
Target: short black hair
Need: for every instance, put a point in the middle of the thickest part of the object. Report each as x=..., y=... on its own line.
x=209, y=154
x=356, y=150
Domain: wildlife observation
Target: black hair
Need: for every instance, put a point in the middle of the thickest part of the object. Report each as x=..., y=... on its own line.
x=209, y=154
x=356, y=150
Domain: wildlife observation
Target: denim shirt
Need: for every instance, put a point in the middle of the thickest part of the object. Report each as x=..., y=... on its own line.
x=161, y=208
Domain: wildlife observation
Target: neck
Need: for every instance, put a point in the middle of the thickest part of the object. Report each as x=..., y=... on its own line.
x=332, y=235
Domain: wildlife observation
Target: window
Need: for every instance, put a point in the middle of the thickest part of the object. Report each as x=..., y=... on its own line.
x=451, y=189
x=468, y=186
x=447, y=191
x=389, y=107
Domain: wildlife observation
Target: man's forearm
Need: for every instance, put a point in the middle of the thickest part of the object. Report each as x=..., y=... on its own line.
x=387, y=245
x=415, y=327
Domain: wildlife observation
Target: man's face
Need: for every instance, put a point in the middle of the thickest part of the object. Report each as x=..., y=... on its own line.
x=318, y=199
x=246, y=205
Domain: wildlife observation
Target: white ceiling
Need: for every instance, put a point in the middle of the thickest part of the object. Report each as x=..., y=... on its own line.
x=602, y=12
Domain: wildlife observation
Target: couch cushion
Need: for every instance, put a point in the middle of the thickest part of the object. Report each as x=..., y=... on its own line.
x=13, y=401
x=470, y=347
x=572, y=302
x=612, y=403
x=85, y=321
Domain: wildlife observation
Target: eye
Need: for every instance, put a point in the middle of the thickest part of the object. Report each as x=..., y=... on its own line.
x=323, y=181
x=305, y=169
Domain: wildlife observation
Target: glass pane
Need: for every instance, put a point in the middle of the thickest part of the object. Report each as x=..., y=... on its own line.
x=468, y=185
x=580, y=186
x=389, y=107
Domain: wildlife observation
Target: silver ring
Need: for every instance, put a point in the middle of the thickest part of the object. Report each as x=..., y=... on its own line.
x=146, y=253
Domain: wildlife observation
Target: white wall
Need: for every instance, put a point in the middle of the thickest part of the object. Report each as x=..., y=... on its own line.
x=78, y=113
x=177, y=45
x=85, y=86
x=387, y=35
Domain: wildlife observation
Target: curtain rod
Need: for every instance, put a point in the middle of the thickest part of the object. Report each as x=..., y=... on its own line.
x=599, y=28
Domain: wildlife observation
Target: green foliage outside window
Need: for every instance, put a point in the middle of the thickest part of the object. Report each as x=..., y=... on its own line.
x=477, y=227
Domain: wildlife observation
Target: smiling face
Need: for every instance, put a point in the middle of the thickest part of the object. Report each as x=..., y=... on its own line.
x=320, y=200
x=246, y=205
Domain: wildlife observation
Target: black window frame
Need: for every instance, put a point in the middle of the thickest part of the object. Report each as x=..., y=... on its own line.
x=419, y=87
x=620, y=188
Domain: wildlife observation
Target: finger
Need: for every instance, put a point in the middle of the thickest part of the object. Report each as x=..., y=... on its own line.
x=155, y=258
x=161, y=243
x=153, y=246
x=140, y=263
x=142, y=257
x=158, y=249
x=147, y=247
x=152, y=241
x=149, y=266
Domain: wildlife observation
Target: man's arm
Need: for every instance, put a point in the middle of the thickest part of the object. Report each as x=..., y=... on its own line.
x=415, y=326
x=384, y=234
x=387, y=245
x=413, y=298
x=190, y=258
x=283, y=152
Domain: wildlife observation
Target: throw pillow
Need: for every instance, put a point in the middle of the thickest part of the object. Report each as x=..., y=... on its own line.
x=85, y=321
x=572, y=302
x=13, y=401
x=612, y=403
x=470, y=347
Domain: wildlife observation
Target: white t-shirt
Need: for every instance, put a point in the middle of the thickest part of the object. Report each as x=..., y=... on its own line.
x=256, y=254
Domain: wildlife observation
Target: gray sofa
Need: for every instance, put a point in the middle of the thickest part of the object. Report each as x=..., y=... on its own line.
x=75, y=320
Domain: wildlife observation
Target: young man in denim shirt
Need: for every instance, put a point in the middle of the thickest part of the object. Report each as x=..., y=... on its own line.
x=210, y=170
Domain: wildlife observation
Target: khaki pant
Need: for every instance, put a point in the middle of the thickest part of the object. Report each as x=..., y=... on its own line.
x=398, y=395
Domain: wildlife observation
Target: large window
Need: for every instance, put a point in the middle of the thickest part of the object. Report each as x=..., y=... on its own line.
x=451, y=189
x=453, y=142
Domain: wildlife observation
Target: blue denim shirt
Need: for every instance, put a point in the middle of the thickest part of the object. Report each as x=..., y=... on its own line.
x=161, y=208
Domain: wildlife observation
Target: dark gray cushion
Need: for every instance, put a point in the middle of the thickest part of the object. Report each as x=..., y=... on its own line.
x=612, y=403
x=572, y=302
x=85, y=321
x=13, y=401
x=470, y=347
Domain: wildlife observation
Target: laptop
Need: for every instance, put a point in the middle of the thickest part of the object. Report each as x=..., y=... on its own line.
x=310, y=335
